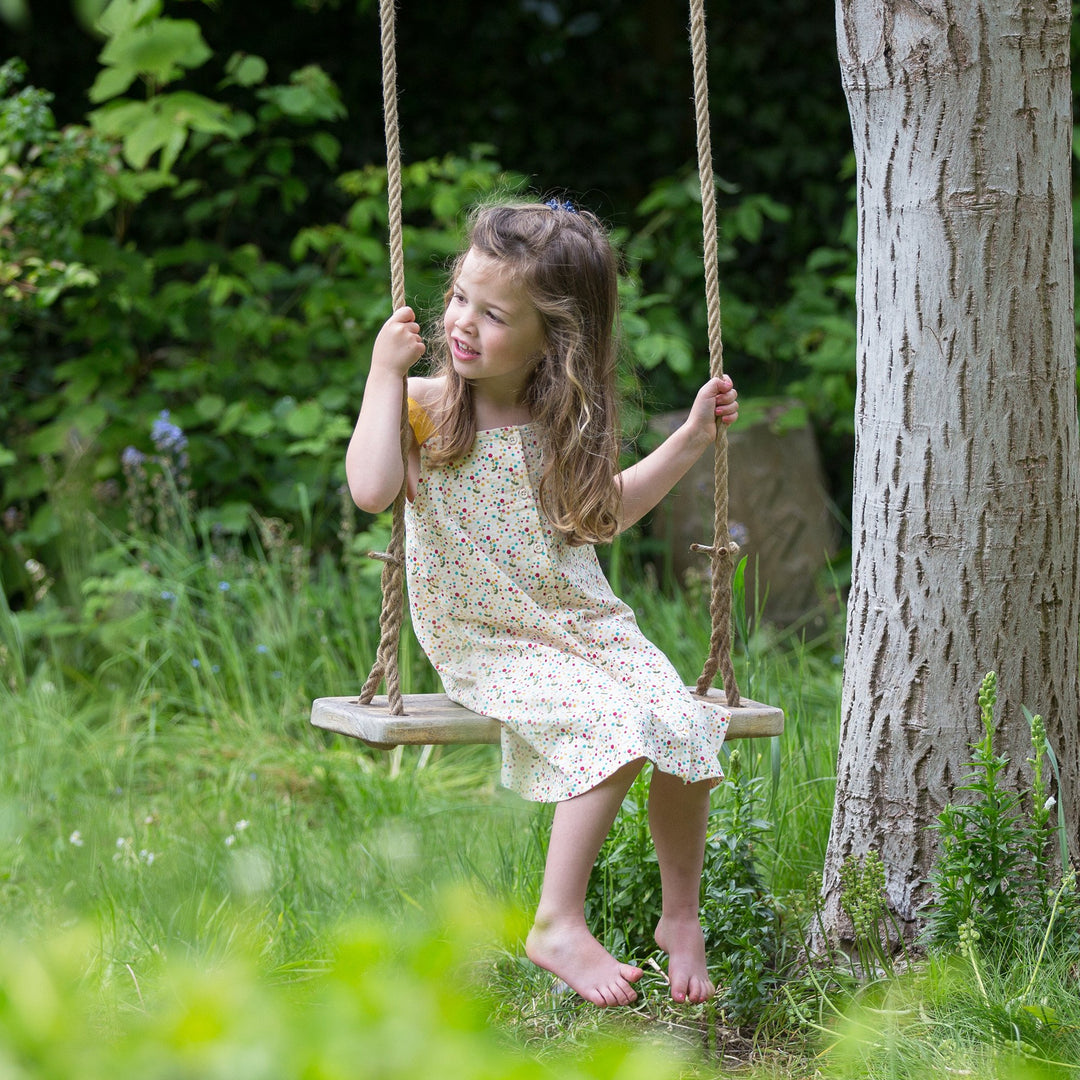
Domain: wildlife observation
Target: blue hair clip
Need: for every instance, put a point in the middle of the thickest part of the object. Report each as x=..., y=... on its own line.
x=566, y=205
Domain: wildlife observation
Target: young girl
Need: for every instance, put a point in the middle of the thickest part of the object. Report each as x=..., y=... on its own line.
x=512, y=477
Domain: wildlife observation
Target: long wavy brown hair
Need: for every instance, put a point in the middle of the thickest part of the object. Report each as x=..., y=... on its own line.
x=566, y=264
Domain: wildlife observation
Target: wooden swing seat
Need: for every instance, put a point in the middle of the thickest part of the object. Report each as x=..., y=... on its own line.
x=433, y=719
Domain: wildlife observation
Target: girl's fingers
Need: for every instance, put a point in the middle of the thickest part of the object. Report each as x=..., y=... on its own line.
x=727, y=405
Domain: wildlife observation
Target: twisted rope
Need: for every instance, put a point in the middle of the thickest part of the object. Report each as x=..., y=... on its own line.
x=723, y=549
x=393, y=572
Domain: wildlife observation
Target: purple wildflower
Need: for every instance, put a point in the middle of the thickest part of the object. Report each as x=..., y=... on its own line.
x=168, y=437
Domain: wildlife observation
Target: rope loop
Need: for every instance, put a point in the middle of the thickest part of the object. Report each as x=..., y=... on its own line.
x=730, y=551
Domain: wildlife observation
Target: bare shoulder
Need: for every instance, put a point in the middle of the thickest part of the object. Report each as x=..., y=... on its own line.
x=424, y=391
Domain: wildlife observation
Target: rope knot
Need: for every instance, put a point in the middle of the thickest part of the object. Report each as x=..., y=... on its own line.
x=384, y=556
x=728, y=550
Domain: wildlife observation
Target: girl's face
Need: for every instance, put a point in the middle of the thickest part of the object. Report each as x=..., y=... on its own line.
x=493, y=329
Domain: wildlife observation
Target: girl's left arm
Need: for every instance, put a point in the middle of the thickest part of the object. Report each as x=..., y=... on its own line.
x=647, y=482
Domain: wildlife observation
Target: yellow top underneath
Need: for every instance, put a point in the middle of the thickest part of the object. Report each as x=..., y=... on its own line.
x=422, y=424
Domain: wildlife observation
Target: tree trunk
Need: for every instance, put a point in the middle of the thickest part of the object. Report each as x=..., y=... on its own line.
x=965, y=511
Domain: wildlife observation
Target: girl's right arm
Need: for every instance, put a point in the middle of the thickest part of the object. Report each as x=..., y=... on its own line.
x=373, y=461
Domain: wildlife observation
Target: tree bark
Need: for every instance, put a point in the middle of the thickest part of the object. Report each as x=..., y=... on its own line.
x=965, y=510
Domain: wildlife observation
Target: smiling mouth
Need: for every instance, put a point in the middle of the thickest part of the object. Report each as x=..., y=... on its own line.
x=462, y=351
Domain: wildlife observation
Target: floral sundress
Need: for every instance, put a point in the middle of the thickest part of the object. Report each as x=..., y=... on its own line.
x=524, y=628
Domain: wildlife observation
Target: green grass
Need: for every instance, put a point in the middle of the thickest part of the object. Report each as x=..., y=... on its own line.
x=941, y=1019
x=163, y=792
x=181, y=852
x=160, y=774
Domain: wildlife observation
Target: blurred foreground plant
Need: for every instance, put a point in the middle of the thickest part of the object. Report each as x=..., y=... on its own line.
x=393, y=1001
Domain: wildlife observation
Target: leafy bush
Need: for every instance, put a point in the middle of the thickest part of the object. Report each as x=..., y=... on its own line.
x=993, y=880
x=738, y=912
x=52, y=183
x=204, y=253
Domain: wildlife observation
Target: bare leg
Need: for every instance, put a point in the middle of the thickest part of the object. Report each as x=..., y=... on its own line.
x=560, y=940
x=678, y=818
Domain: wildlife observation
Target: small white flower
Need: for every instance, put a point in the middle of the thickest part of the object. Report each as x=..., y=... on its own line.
x=1050, y=803
x=230, y=840
x=241, y=825
x=75, y=839
x=120, y=841
x=147, y=857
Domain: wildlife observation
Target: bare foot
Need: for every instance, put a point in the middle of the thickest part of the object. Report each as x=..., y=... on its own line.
x=684, y=942
x=568, y=950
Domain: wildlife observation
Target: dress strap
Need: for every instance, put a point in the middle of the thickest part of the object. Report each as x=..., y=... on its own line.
x=422, y=424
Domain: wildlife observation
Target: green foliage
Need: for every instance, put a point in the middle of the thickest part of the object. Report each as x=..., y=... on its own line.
x=623, y=904
x=800, y=346
x=668, y=322
x=738, y=911
x=938, y=1020
x=244, y=349
x=203, y=619
x=52, y=183
x=993, y=881
x=392, y=1001
x=875, y=937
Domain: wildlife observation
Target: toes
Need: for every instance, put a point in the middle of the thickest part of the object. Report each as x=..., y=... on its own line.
x=606, y=997
x=699, y=990
x=693, y=989
x=630, y=973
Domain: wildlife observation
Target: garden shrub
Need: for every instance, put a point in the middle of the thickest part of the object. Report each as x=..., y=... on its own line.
x=206, y=253
x=1002, y=879
x=738, y=911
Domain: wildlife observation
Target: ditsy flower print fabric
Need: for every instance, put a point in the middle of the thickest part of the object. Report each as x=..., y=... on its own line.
x=524, y=628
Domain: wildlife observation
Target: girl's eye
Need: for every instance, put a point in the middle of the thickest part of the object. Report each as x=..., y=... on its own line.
x=493, y=317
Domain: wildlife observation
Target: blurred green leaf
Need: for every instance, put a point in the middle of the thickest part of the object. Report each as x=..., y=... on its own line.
x=160, y=50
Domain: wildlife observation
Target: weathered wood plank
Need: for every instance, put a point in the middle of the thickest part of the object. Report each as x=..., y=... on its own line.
x=435, y=719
